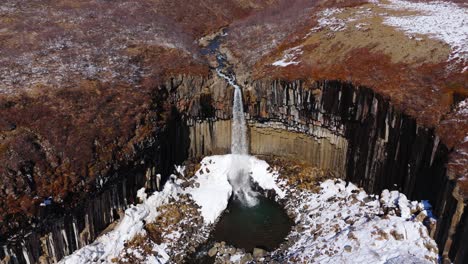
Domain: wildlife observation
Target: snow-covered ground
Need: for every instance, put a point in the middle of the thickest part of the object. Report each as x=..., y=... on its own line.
x=441, y=20
x=341, y=223
x=289, y=57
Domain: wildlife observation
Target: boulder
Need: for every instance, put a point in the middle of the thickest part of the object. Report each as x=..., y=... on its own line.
x=258, y=252
x=348, y=248
x=212, y=252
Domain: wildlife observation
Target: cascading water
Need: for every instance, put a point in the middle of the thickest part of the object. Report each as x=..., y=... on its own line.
x=239, y=176
x=240, y=179
x=239, y=172
x=250, y=219
x=238, y=129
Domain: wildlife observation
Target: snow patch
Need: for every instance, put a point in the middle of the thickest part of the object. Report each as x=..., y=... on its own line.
x=328, y=20
x=180, y=170
x=462, y=108
x=141, y=194
x=289, y=57
x=441, y=20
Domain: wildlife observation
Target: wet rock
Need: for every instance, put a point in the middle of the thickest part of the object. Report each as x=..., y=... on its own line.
x=246, y=258
x=231, y=251
x=258, y=252
x=221, y=250
x=421, y=216
x=348, y=248
x=212, y=252
x=300, y=229
x=397, y=235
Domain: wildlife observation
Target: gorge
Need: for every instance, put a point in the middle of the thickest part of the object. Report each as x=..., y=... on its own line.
x=353, y=125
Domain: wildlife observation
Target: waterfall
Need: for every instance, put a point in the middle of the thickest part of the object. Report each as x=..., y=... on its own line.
x=239, y=176
x=239, y=172
x=238, y=126
x=238, y=129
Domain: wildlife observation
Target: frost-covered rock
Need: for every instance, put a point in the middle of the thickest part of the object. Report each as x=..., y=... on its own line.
x=343, y=224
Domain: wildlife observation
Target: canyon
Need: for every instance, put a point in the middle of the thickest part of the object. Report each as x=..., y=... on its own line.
x=80, y=136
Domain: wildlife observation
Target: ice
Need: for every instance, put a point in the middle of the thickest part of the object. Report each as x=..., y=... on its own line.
x=214, y=190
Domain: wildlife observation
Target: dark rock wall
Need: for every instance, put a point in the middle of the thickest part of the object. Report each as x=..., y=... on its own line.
x=61, y=232
x=459, y=248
